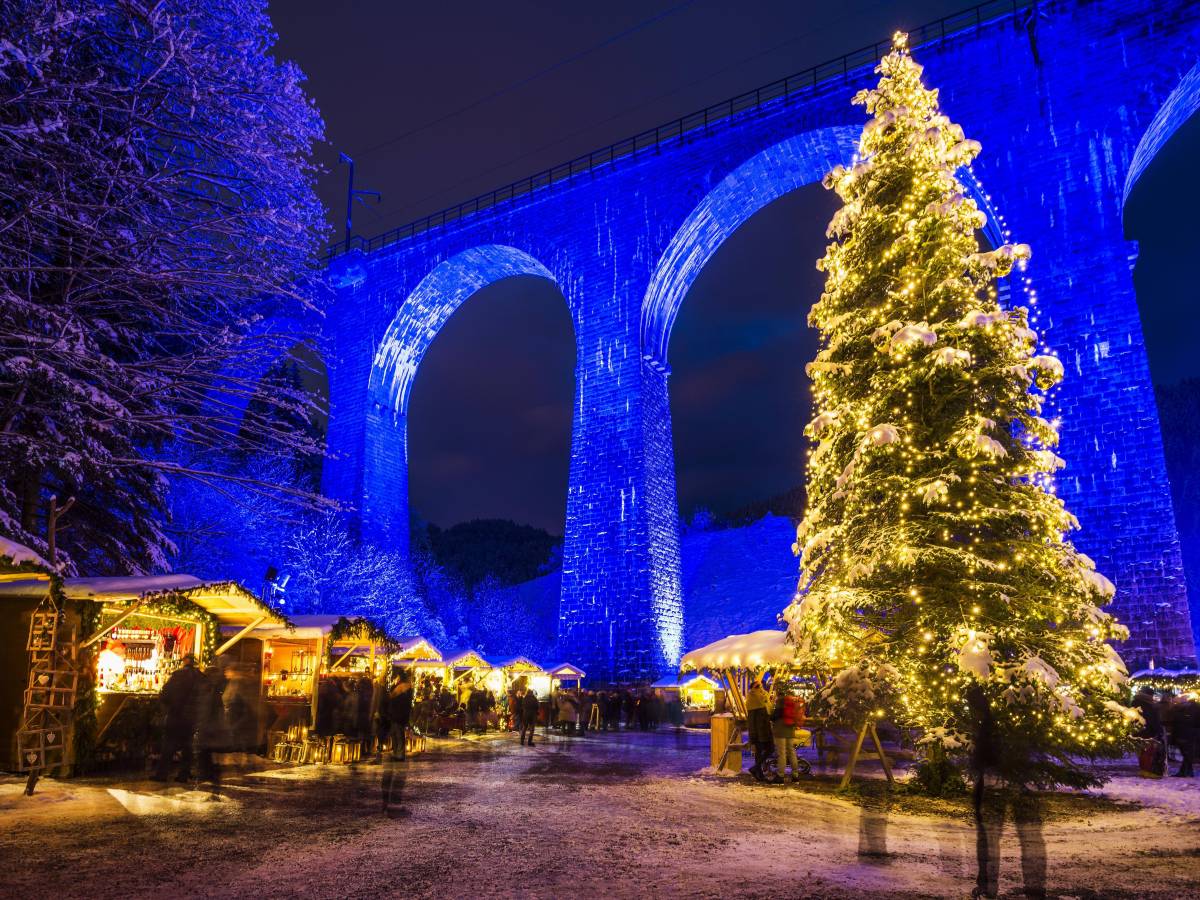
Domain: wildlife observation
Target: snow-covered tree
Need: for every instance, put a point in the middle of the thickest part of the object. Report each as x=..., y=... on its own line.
x=333, y=573
x=934, y=551
x=157, y=201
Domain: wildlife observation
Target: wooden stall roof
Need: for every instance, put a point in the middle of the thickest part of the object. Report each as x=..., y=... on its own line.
x=231, y=603
x=311, y=627
x=566, y=670
x=756, y=650
x=519, y=664
x=417, y=649
x=468, y=659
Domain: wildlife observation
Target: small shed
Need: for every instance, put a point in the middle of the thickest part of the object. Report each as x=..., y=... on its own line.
x=563, y=673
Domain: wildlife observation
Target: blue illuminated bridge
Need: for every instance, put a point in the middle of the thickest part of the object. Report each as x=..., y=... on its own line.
x=1071, y=102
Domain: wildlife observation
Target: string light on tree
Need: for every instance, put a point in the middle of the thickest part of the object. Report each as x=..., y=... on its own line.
x=934, y=551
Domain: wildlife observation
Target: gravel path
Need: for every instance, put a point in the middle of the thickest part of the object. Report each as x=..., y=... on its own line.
x=617, y=815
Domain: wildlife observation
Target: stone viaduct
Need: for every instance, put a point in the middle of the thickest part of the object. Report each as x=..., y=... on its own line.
x=1071, y=101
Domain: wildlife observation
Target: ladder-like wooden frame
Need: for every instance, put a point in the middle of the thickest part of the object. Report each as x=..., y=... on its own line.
x=49, y=701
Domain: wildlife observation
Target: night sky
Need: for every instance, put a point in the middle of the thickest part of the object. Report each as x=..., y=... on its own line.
x=440, y=102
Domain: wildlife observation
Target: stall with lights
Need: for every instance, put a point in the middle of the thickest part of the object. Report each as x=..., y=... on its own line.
x=119, y=639
x=697, y=692
x=1166, y=681
x=465, y=669
x=735, y=664
x=298, y=656
x=420, y=658
x=519, y=668
x=565, y=675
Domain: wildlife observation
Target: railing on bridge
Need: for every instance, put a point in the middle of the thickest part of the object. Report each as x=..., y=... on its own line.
x=784, y=89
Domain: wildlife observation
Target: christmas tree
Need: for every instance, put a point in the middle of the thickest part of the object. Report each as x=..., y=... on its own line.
x=934, y=552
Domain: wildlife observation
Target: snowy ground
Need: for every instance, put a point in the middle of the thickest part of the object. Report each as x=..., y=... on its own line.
x=616, y=815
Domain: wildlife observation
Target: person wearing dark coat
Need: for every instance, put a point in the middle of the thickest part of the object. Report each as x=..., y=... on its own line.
x=212, y=734
x=987, y=762
x=362, y=714
x=612, y=711
x=329, y=699
x=1153, y=756
x=400, y=703
x=180, y=697
x=675, y=710
x=758, y=728
x=630, y=704
x=1183, y=719
x=587, y=701
x=529, y=715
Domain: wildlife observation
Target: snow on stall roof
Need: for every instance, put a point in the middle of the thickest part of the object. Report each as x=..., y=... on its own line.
x=19, y=553
x=462, y=659
x=408, y=644
x=305, y=627
x=517, y=661
x=671, y=681
x=127, y=587
x=568, y=669
x=758, y=649
x=1165, y=673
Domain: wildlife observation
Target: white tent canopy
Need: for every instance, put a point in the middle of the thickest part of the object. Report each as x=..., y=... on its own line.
x=756, y=650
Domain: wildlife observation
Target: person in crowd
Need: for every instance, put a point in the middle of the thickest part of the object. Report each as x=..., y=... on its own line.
x=612, y=711
x=1183, y=720
x=327, y=703
x=180, y=699
x=629, y=702
x=642, y=710
x=758, y=726
x=212, y=733
x=400, y=704
x=348, y=710
x=987, y=766
x=364, y=695
x=241, y=700
x=587, y=702
x=567, y=711
x=787, y=717
x=674, y=705
x=658, y=709
x=1152, y=758
x=529, y=715
x=475, y=709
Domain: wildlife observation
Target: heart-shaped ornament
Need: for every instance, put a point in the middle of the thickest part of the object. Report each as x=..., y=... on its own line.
x=31, y=757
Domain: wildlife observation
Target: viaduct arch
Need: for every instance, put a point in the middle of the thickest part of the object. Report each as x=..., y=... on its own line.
x=1069, y=108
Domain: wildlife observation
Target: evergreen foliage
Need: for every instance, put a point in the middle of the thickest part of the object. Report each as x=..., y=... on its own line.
x=934, y=551
x=158, y=210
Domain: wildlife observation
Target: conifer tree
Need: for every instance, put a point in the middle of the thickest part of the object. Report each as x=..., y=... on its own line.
x=934, y=550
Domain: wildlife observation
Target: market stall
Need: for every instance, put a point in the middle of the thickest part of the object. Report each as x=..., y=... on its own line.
x=738, y=662
x=521, y=668
x=565, y=675
x=423, y=662
x=313, y=672
x=735, y=663
x=464, y=669
x=698, y=694
x=1165, y=681
x=122, y=638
